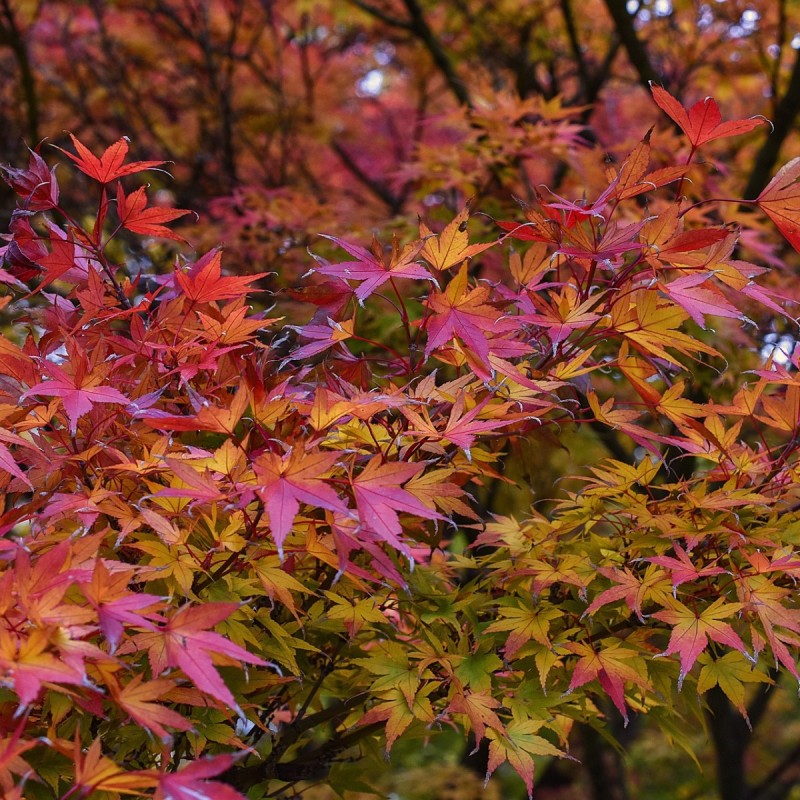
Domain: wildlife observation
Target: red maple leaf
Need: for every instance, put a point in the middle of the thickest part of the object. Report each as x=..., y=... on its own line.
x=283, y=483
x=135, y=698
x=373, y=268
x=111, y=165
x=7, y=461
x=462, y=427
x=692, y=630
x=380, y=498
x=185, y=643
x=780, y=201
x=321, y=337
x=26, y=663
x=702, y=122
x=11, y=763
x=464, y=313
x=689, y=241
x=59, y=260
x=37, y=184
x=191, y=782
x=108, y=593
x=683, y=569
x=611, y=667
x=78, y=392
x=632, y=588
x=136, y=217
x=203, y=281
x=614, y=242
x=697, y=296
x=560, y=314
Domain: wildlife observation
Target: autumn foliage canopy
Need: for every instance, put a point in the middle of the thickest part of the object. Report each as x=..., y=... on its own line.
x=243, y=536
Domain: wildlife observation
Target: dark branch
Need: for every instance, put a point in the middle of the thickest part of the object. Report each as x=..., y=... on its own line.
x=782, y=126
x=11, y=36
x=634, y=47
x=379, y=189
x=420, y=28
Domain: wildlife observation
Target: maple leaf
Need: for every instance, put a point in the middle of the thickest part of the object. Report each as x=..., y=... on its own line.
x=11, y=748
x=703, y=121
x=436, y=489
x=136, y=217
x=652, y=326
x=614, y=242
x=530, y=621
x=79, y=392
x=692, y=630
x=685, y=246
x=37, y=184
x=479, y=708
x=185, y=643
x=283, y=483
x=135, y=699
x=371, y=267
x=730, y=673
x=322, y=337
x=634, y=589
x=780, y=201
x=398, y=714
x=236, y=323
x=516, y=745
x=9, y=464
x=462, y=427
x=60, y=260
x=115, y=605
x=354, y=615
x=26, y=664
x=389, y=661
x=279, y=584
x=766, y=600
x=633, y=181
x=739, y=275
x=330, y=406
x=379, y=498
x=208, y=418
x=199, y=485
x=96, y=772
x=634, y=167
x=562, y=315
x=191, y=781
x=451, y=246
x=682, y=568
x=613, y=667
x=539, y=227
x=624, y=420
x=203, y=281
x=696, y=295
x=111, y=165
x=463, y=313
x=782, y=412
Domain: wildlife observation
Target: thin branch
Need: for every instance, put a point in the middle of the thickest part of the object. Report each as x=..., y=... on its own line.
x=782, y=126
x=11, y=35
x=420, y=28
x=784, y=776
x=637, y=53
x=380, y=14
x=379, y=189
x=577, y=51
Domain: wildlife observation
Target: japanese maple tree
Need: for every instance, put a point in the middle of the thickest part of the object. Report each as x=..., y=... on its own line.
x=229, y=557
